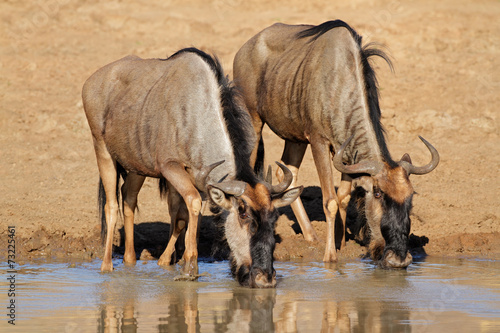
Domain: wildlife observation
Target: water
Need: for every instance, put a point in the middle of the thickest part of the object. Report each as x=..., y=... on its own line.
x=433, y=295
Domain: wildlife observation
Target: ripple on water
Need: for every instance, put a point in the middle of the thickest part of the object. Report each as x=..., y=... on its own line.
x=426, y=294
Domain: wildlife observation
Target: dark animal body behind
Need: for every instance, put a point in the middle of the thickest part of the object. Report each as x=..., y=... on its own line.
x=315, y=85
x=179, y=120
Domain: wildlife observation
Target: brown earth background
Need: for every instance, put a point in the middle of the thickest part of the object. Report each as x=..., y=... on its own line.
x=445, y=87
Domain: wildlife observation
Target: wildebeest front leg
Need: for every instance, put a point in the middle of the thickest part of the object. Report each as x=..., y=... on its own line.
x=108, y=174
x=177, y=176
x=321, y=153
x=130, y=190
x=293, y=153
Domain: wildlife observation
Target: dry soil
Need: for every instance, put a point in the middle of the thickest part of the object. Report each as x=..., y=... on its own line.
x=445, y=87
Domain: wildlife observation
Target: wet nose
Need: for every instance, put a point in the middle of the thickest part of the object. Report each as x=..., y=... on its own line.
x=391, y=260
x=263, y=280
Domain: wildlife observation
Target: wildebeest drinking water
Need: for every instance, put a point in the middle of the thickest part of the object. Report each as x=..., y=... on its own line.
x=314, y=85
x=177, y=119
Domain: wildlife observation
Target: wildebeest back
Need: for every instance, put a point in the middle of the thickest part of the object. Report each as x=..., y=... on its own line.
x=141, y=106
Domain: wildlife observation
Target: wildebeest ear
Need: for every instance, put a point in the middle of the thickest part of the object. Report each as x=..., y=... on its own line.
x=219, y=197
x=287, y=197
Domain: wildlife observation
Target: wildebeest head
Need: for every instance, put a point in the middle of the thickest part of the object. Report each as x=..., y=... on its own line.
x=250, y=217
x=386, y=202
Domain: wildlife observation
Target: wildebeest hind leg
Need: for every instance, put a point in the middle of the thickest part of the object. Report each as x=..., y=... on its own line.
x=177, y=176
x=257, y=126
x=130, y=190
x=108, y=174
x=320, y=148
x=293, y=153
x=178, y=217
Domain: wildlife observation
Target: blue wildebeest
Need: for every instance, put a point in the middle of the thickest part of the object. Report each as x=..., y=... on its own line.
x=177, y=119
x=314, y=85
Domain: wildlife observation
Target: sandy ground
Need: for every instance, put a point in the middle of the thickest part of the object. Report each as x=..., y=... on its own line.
x=445, y=88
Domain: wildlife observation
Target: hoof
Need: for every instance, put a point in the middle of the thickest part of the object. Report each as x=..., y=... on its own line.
x=130, y=260
x=330, y=257
x=189, y=267
x=106, y=267
x=163, y=262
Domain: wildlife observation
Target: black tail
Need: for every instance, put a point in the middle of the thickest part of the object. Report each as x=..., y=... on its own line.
x=258, y=168
x=163, y=187
x=101, y=199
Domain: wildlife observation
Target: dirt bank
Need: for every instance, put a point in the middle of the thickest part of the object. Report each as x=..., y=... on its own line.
x=445, y=88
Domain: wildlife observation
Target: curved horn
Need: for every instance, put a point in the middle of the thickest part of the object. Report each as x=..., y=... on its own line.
x=369, y=167
x=287, y=180
x=201, y=178
x=269, y=176
x=232, y=187
x=422, y=170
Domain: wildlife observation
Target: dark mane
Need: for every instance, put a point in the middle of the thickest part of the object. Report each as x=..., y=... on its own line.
x=213, y=62
x=238, y=121
x=371, y=84
x=319, y=30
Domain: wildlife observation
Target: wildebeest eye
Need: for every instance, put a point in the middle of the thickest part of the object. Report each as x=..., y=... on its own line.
x=242, y=210
x=377, y=193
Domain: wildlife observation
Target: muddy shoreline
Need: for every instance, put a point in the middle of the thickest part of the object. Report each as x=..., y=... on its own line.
x=444, y=88
x=151, y=239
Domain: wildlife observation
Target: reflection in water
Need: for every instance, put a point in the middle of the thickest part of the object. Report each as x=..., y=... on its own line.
x=364, y=303
x=242, y=311
x=197, y=307
x=189, y=309
x=117, y=320
x=432, y=296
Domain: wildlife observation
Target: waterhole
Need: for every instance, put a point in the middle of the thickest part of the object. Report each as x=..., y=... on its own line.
x=432, y=295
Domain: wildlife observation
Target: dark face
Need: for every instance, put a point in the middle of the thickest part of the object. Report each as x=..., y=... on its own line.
x=249, y=231
x=258, y=227
x=395, y=227
x=387, y=204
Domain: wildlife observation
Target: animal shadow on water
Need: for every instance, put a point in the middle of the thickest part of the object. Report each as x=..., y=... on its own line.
x=356, y=227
